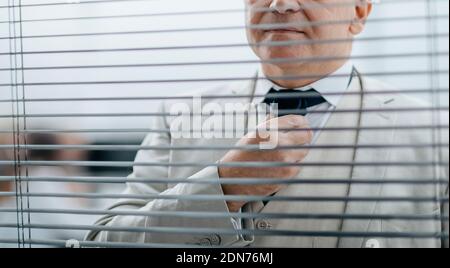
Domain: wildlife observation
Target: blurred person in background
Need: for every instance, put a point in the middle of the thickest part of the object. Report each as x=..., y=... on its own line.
x=6, y=155
x=52, y=187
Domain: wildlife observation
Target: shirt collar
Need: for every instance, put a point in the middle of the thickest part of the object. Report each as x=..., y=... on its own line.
x=331, y=87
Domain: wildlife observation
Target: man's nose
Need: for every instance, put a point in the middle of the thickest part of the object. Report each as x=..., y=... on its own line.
x=284, y=6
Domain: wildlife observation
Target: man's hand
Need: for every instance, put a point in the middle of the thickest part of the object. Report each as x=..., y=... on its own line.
x=283, y=138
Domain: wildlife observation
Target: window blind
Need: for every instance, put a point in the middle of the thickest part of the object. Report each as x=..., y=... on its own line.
x=81, y=81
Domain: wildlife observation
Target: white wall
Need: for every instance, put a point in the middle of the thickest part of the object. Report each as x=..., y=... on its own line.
x=374, y=29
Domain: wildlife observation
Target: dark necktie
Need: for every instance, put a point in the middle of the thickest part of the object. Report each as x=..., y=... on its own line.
x=292, y=101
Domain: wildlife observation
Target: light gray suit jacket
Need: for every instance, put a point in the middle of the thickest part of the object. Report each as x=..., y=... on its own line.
x=370, y=229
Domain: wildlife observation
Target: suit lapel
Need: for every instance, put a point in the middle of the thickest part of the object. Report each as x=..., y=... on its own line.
x=371, y=119
x=244, y=89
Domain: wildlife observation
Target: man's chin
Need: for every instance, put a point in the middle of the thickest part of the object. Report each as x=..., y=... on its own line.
x=283, y=57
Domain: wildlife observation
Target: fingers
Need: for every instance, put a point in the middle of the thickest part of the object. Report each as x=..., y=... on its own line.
x=297, y=137
x=300, y=131
x=290, y=130
x=293, y=121
x=285, y=122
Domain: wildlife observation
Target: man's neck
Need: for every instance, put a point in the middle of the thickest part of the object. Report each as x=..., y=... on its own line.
x=299, y=76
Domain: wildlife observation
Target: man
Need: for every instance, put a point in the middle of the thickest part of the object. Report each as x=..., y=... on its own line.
x=305, y=48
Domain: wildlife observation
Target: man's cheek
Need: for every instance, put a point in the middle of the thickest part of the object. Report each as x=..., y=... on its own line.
x=256, y=36
x=256, y=17
x=327, y=32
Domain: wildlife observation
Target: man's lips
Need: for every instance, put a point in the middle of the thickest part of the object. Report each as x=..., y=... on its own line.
x=284, y=30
